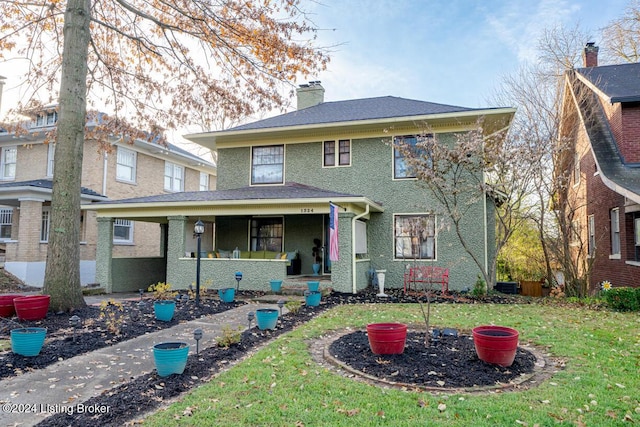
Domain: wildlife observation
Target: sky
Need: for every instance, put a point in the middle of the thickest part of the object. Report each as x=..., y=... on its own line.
x=452, y=52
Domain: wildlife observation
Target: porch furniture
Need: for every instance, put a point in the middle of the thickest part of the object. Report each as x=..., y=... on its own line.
x=427, y=274
x=294, y=264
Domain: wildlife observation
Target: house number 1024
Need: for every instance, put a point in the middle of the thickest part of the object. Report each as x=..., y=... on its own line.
x=306, y=210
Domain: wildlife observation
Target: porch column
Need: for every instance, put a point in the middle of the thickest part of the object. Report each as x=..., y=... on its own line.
x=175, y=248
x=104, y=254
x=30, y=219
x=342, y=271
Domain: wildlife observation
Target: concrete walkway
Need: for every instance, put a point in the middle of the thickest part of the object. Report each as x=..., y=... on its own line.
x=27, y=399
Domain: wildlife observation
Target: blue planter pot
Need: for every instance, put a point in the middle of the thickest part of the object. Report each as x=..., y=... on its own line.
x=164, y=310
x=276, y=285
x=267, y=318
x=227, y=294
x=316, y=269
x=170, y=357
x=312, y=298
x=27, y=341
x=313, y=286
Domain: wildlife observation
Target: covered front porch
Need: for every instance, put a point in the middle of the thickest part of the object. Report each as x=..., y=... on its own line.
x=265, y=232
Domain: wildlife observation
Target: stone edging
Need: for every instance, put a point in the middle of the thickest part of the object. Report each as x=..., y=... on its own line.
x=545, y=366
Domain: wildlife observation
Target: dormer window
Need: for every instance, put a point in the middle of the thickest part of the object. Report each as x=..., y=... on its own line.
x=48, y=119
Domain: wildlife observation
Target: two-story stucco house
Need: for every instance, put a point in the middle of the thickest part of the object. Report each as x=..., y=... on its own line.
x=601, y=121
x=277, y=178
x=128, y=170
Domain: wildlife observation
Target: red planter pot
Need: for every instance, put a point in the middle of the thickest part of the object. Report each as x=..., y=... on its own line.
x=496, y=344
x=387, y=338
x=7, y=308
x=32, y=307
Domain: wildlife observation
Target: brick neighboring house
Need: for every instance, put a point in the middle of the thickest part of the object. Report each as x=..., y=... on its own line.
x=130, y=170
x=277, y=178
x=601, y=118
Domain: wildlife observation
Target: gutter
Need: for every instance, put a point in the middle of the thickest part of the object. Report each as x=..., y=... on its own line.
x=353, y=247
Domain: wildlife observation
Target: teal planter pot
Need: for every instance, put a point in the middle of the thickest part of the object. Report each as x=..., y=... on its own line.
x=266, y=318
x=276, y=285
x=164, y=310
x=312, y=298
x=313, y=286
x=27, y=341
x=170, y=357
x=227, y=294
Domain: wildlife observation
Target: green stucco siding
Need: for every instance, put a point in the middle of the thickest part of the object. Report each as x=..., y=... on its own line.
x=371, y=175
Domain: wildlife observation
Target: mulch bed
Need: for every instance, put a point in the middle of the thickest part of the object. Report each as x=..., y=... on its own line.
x=448, y=362
x=149, y=392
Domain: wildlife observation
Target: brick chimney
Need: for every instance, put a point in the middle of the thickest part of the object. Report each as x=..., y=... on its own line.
x=310, y=94
x=590, y=55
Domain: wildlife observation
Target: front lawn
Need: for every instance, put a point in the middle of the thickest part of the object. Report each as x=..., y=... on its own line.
x=281, y=385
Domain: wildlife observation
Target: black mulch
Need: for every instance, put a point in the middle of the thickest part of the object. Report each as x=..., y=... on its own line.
x=148, y=392
x=449, y=361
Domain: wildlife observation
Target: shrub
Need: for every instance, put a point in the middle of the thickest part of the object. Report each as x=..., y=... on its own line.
x=229, y=336
x=623, y=298
x=112, y=312
x=293, y=306
x=162, y=291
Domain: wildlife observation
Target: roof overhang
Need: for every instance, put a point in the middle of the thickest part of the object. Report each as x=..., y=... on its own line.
x=494, y=120
x=12, y=196
x=208, y=210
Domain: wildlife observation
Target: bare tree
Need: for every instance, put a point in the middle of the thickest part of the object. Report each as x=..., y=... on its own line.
x=157, y=63
x=461, y=173
x=621, y=37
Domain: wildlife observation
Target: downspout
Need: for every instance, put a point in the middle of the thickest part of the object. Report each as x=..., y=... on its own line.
x=104, y=175
x=353, y=247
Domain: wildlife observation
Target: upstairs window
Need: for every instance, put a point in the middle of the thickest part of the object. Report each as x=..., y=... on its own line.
x=6, y=219
x=48, y=119
x=126, y=165
x=8, y=160
x=173, y=177
x=51, y=154
x=267, y=165
x=400, y=168
x=204, y=181
x=343, y=153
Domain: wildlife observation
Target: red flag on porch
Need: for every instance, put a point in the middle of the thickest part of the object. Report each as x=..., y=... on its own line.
x=334, y=252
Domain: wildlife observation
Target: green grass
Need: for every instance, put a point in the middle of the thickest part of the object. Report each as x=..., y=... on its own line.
x=282, y=386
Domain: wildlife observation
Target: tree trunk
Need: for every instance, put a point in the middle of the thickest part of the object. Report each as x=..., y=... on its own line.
x=62, y=274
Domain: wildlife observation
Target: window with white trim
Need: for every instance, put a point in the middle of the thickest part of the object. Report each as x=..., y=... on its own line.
x=266, y=234
x=6, y=219
x=204, y=181
x=267, y=165
x=343, y=155
x=122, y=231
x=8, y=160
x=125, y=165
x=51, y=153
x=45, y=224
x=414, y=236
x=591, y=229
x=173, y=177
x=615, y=231
x=48, y=119
x=411, y=143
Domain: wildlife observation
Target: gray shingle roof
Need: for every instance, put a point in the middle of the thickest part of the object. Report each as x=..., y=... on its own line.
x=287, y=191
x=353, y=110
x=44, y=183
x=621, y=83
